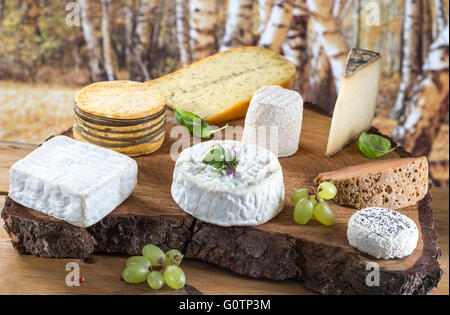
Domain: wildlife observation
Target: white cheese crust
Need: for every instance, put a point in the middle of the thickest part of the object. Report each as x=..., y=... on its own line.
x=253, y=197
x=274, y=120
x=74, y=181
x=382, y=233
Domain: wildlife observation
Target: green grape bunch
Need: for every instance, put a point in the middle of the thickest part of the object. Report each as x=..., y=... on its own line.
x=144, y=268
x=308, y=205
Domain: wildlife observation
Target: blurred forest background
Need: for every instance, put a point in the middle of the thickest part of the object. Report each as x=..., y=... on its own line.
x=49, y=49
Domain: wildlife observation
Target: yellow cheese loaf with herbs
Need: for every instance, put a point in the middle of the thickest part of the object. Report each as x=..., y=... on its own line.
x=220, y=87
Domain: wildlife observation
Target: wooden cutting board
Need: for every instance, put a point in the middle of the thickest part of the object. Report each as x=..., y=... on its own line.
x=316, y=255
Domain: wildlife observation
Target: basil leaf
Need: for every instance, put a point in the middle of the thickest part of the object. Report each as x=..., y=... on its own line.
x=215, y=155
x=196, y=125
x=374, y=146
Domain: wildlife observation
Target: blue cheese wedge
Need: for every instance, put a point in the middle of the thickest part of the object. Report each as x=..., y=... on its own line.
x=382, y=233
x=252, y=197
x=73, y=181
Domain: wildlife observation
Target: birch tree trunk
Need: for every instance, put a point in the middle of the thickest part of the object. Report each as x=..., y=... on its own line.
x=276, y=29
x=2, y=10
x=264, y=9
x=92, y=43
x=106, y=35
x=441, y=17
x=238, y=28
x=330, y=36
x=412, y=52
x=203, y=19
x=357, y=22
x=318, y=85
x=295, y=47
x=422, y=114
x=129, y=21
x=427, y=26
x=182, y=10
x=145, y=19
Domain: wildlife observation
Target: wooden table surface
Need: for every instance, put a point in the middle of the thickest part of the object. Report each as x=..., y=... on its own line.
x=32, y=275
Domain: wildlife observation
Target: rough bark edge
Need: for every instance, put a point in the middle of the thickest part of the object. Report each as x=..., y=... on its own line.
x=115, y=234
x=323, y=269
x=44, y=238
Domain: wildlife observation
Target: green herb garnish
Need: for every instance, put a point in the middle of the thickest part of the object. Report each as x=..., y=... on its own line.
x=223, y=160
x=374, y=146
x=196, y=125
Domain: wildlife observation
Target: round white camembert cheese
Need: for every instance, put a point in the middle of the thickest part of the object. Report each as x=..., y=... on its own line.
x=274, y=120
x=382, y=233
x=252, y=197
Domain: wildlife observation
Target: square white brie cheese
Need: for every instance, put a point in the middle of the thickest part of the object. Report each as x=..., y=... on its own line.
x=74, y=181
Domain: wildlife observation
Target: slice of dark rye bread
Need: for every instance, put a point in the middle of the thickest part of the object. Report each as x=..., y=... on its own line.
x=393, y=183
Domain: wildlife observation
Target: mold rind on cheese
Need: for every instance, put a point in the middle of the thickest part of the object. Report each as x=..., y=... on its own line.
x=274, y=120
x=382, y=233
x=73, y=181
x=253, y=197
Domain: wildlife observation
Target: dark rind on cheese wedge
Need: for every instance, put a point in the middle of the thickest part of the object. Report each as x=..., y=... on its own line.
x=359, y=58
x=392, y=183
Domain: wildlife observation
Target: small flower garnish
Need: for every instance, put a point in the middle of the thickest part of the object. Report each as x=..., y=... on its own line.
x=223, y=160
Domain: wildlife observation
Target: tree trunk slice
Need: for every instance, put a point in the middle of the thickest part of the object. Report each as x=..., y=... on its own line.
x=316, y=255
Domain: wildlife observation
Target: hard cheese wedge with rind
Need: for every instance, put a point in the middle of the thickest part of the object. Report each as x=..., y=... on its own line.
x=73, y=181
x=219, y=88
x=357, y=100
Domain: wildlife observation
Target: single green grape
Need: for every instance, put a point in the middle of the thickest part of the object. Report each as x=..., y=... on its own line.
x=138, y=260
x=135, y=274
x=173, y=257
x=299, y=194
x=323, y=213
x=155, y=280
x=154, y=254
x=327, y=191
x=174, y=277
x=303, y=211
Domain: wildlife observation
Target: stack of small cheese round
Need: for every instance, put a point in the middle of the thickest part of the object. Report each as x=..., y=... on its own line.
x=124, y=116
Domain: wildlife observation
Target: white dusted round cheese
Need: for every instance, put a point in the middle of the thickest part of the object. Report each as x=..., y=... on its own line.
x=274, y=120
x=252, y=197
x=382, y=233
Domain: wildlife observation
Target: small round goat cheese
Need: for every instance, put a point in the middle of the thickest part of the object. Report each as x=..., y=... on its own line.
x=252, y=197
x=274, y=120
x=382, y=233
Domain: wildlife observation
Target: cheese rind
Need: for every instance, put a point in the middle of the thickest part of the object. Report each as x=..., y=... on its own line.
x=274, y=120
x=120, y=99
x=73, y=181
x=382, y=233
x=392, y=183
x=357, y=100
x=253, y=197
x=219, y=88
x=124, y=116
